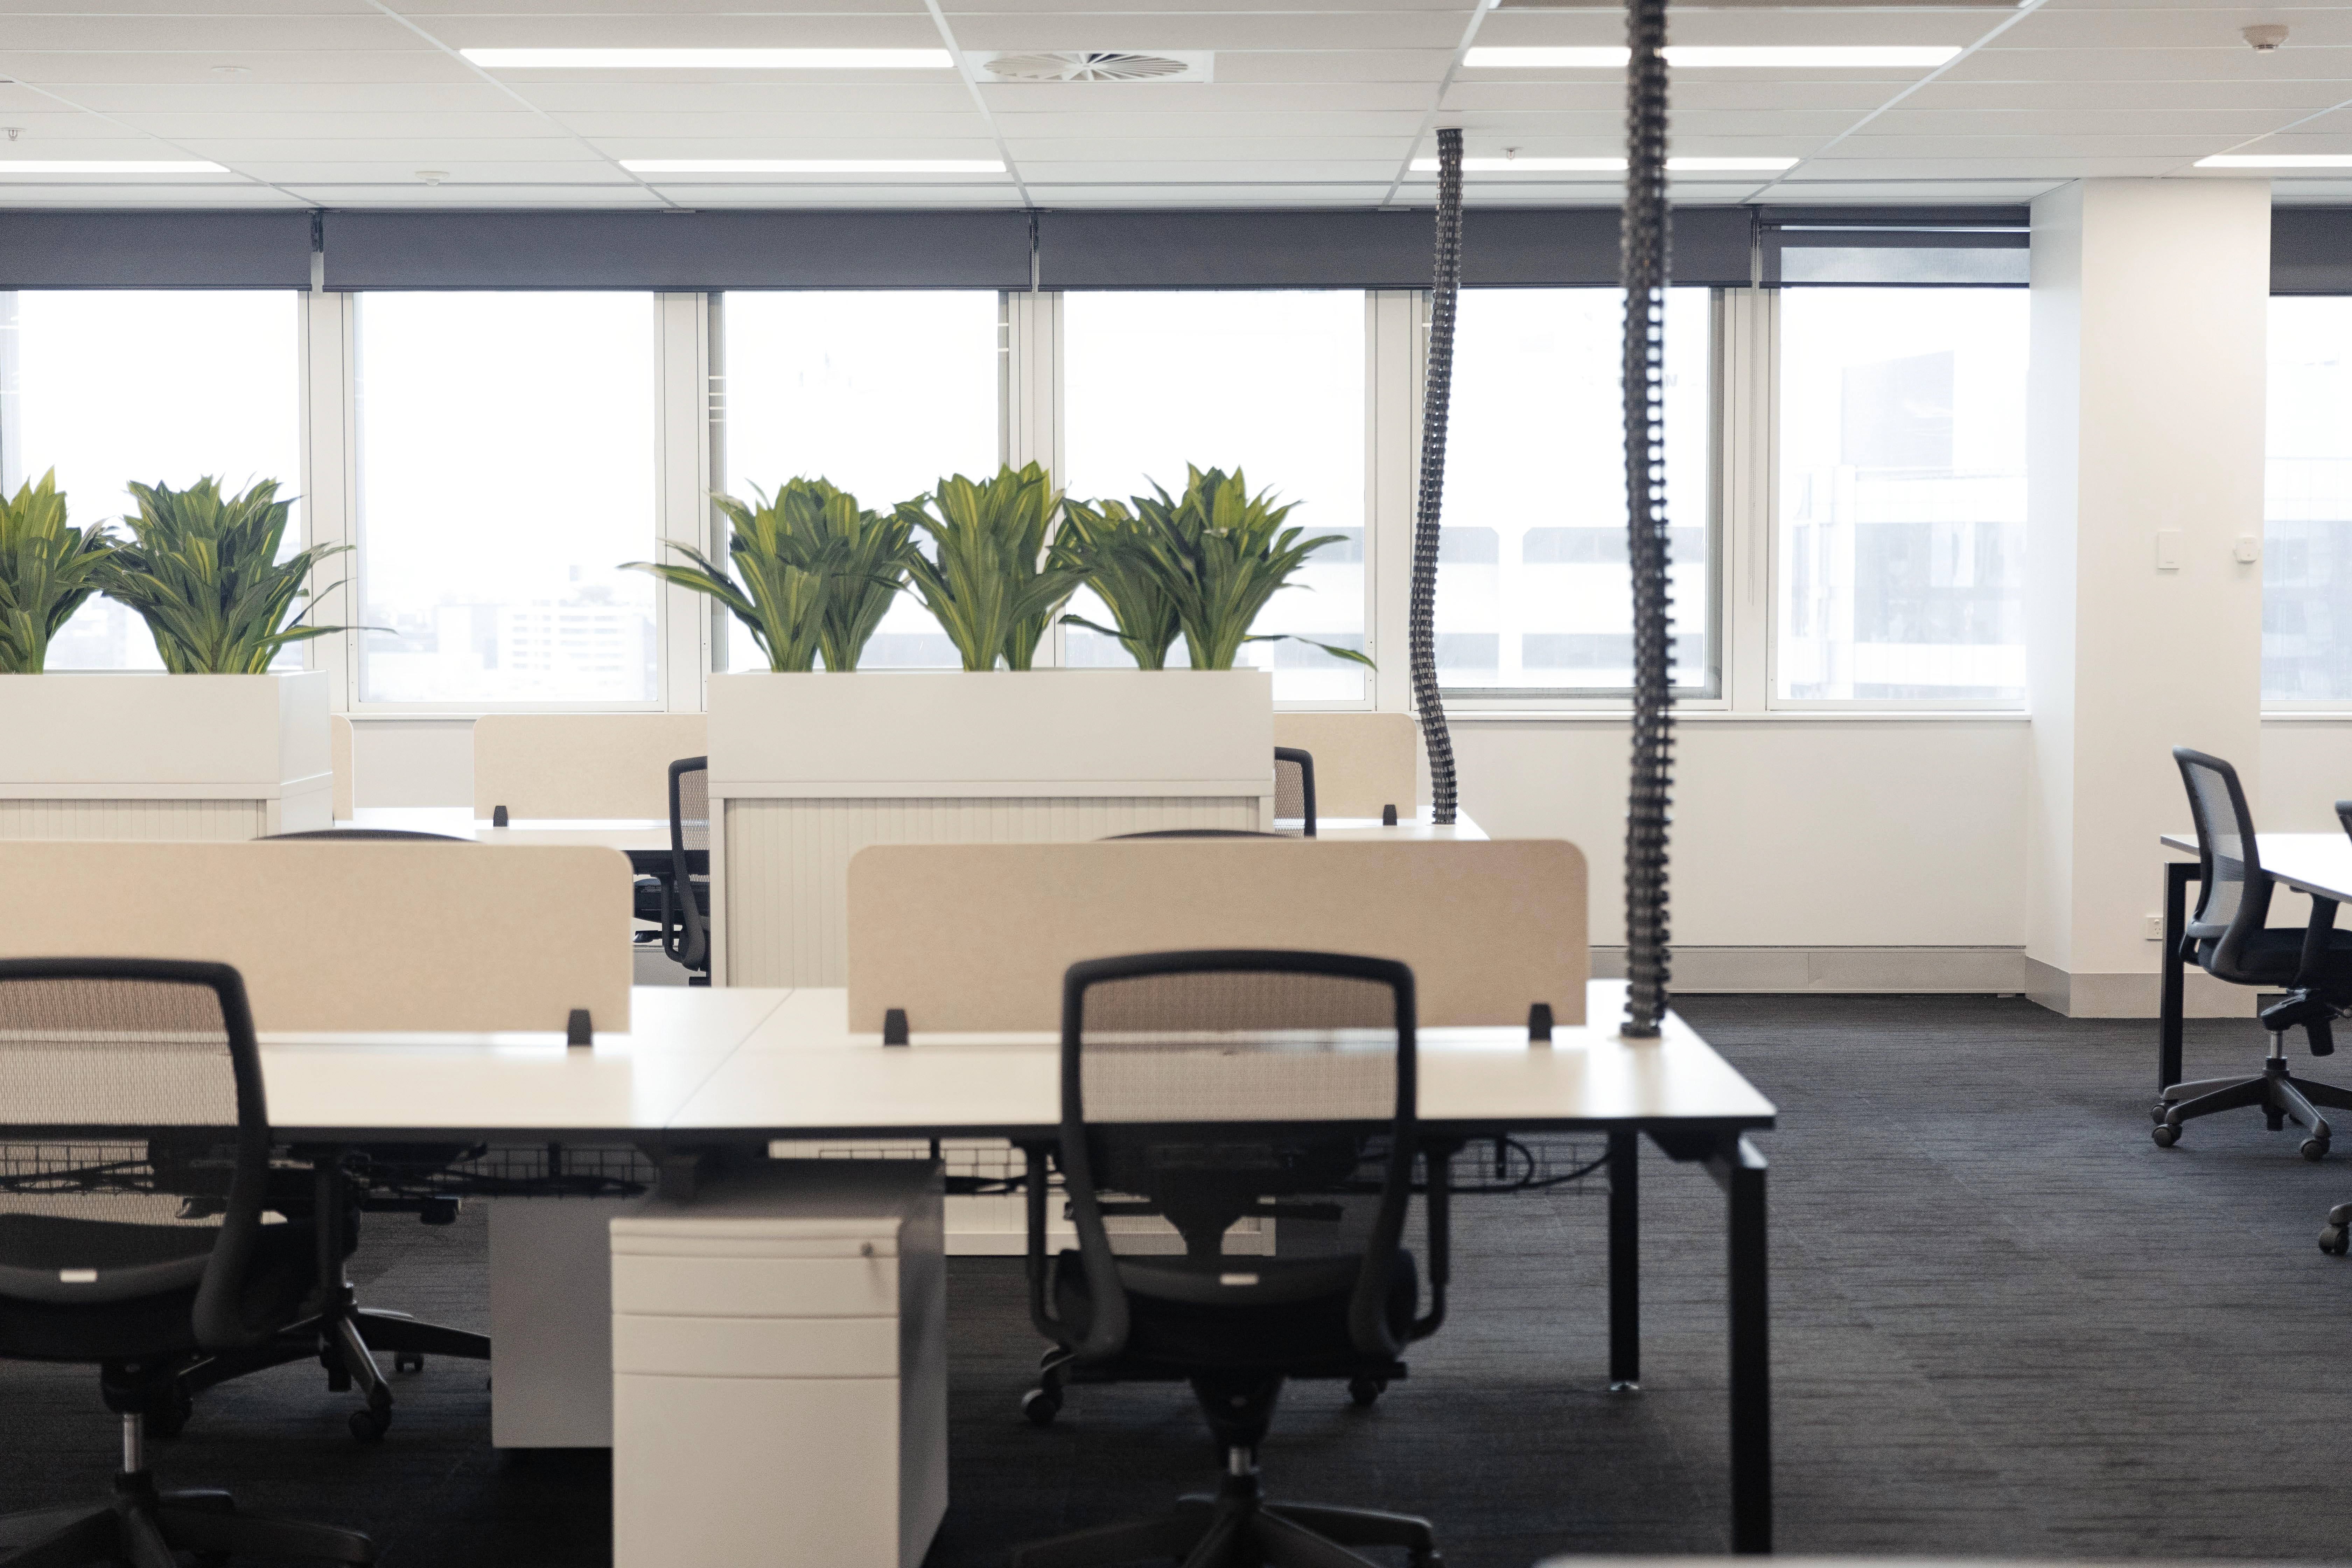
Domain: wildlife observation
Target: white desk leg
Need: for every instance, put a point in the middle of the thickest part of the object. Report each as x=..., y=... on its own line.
x=551, y=1322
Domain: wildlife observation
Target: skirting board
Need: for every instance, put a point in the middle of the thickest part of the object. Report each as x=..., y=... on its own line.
x=1863, y=971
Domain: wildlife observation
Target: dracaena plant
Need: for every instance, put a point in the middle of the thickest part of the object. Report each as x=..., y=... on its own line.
x=1218, y=555
x=1107, y=544
x=47, y=569
x=814, y=572
x=202, y=569
x=990, y=580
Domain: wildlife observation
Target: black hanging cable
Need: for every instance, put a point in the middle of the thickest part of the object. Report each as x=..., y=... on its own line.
x=1437, y=391
x=1645, y=268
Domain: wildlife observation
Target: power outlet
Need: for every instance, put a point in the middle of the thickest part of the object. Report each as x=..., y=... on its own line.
x=2155, y=931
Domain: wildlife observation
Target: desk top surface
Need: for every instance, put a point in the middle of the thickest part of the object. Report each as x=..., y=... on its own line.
x=702, y=1064
x=625, y=833
x=2318, y=863
x=1370, y=828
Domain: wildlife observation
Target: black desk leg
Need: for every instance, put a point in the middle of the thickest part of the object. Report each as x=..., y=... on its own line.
x=1624, y=1263
x=2172, y=1003
x=1742, y=1174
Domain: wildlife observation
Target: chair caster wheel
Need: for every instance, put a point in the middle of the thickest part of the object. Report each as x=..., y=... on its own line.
x=1365, y=1390
x=2157, y=1112
x=2335, y=1241
x=2165, y=1134
x=1040, y=1406
x=408, y=1361
x=2315, y=1149
x=369, y=1425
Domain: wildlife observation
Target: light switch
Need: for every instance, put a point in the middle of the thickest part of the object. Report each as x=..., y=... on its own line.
x=2249, y=549
x=2167, y=549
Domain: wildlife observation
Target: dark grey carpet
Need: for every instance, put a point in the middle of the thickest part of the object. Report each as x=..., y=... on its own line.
x=2005, y=1323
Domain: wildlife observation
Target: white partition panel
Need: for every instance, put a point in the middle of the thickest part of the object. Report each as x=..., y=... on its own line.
x=809, y=769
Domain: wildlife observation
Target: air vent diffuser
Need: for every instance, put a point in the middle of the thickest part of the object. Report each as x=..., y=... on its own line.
x=1095, y=65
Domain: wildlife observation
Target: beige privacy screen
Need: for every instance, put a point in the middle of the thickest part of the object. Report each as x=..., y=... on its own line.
x=342, y=935
x=976, y=936
x=581, y=764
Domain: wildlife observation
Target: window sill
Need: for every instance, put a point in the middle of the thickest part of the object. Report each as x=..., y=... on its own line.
x=1464, y=718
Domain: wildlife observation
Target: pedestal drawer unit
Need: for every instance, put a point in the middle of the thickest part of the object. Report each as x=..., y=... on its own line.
x=779, y=1368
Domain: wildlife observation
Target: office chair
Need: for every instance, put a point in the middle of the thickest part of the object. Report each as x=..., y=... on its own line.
x=1294, y=785
x=679, y=901
x=1195, y=833
x=136, y=1171
x=2227, y=937
x=1206, y=1083
x=344, y=1334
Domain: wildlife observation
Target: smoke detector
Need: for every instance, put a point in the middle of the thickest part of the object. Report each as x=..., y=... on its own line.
x=1095, y=65
x=2264, y=36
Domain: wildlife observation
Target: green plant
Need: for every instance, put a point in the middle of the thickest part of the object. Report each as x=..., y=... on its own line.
x=990, y=582
x=1218, y=554
x=813, y=573
x=47, y=571
x=203, y=571
x=1107, y=544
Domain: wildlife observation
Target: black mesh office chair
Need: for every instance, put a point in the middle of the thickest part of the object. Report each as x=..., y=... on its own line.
x=1294, y=785
x=2229, y=939
x=679, y=899
x=132, y=1230
x=1206, y=1084
x=345, y=1336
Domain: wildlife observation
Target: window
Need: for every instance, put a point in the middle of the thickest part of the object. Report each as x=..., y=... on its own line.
x=1271, y=384
x=1902, y=516
x=1534, y=589
x=107, y=386
x=2307, y=506
x=506, y=470
x=883, y=394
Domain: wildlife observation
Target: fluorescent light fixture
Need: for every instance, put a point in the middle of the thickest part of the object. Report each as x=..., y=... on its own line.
x=712, y=59
x=2278, y=161
x=1602, y=165
x=1685, y=57
x=107, y=166
x=813, y=165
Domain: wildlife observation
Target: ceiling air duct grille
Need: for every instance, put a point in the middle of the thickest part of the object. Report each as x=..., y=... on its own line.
x=1095, y=65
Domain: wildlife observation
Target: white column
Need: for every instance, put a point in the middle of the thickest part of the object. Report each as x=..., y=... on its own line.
x=2146, y=413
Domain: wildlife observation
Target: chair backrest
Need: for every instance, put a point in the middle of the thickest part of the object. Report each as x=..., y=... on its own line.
x=2233, y=896
x=1294, y=785
x=364, y=833
x=131, y=1097
x=1206, y=1082
x=689, y=849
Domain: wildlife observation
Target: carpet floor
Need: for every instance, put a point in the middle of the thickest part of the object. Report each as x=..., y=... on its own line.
x=2004, y=1323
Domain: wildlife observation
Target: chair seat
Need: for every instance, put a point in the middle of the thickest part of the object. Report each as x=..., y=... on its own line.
x=2274, y=956
x=1271, y=1314
x=143, y=1302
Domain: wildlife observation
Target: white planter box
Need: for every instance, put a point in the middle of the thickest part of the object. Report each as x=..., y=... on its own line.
x=97, y=755
x=806, y=770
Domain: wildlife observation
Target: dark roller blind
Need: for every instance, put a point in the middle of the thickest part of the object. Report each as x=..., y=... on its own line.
x=2311, y=250
x=683, y=251
x=1364, y=249
x=155, y=251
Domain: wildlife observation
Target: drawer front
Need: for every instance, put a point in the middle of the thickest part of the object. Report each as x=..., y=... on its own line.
x=755, y=1347
x=756, y=1287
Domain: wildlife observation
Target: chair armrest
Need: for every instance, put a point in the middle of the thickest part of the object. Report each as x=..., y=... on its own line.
x=1033, y=1193
x=1438, y=1215
x=2313, y=964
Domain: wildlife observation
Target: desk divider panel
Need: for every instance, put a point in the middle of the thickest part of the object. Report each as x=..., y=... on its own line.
x=341, y=749
x=975, y=937
x=1362, y=761
x=346, y=936
x=581, y=764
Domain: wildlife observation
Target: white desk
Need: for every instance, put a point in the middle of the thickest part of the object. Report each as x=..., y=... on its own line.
x=739, y=1068
x=1419, y=829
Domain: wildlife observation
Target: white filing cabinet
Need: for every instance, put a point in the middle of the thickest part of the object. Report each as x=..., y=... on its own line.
x=780, y=1369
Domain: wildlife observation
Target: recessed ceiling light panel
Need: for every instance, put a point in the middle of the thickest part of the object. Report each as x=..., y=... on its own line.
x=12, y=166
x=710, y=59
x=1094, y=65
x=1688, y=57
x=813, y=165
